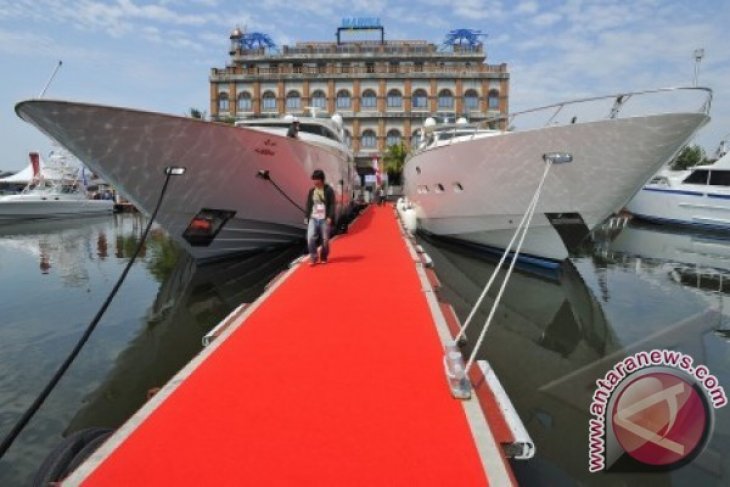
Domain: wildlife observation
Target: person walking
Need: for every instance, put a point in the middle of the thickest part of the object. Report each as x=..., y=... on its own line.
x=320, y=211
x=293, y=131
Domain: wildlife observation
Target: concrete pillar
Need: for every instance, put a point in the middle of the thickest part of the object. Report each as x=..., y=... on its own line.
x=483, y=106
x=331, y=96
x=356, y=136
x=305, y=94
x=407, y=92
x=356, y=95
x=381, y=96
x=459, y=101
x=213, y=99
x=381, y=133
x=407, y=133
x=256, y=102
x=232, y=101
x=434, y=96
x=280, y=98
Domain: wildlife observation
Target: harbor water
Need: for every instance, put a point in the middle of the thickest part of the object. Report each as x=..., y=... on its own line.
x=640, y=288
x=55, y=275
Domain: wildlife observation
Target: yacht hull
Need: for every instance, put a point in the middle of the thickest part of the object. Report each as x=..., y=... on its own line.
x=687, y=206
x=19, y=210
x=479, y=189
x=131, y=149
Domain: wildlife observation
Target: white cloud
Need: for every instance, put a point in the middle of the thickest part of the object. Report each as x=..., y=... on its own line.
x=546, y=19
x=527, y=8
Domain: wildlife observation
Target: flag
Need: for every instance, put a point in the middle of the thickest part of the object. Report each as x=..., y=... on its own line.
x=376, y=168
x=36, y=165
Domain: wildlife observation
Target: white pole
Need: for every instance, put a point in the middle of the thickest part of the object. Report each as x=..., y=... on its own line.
x=53, y=75
x=699, y=54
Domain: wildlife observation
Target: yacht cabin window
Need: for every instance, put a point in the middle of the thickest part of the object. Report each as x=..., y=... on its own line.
x=719, y=178
x=698, y=176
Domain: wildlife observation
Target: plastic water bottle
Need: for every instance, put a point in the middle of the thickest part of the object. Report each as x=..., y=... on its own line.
x=456, y=372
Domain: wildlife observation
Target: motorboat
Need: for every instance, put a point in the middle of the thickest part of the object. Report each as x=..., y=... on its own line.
x=698, y=197
x=473, y=183
x=244, y=185
x=63, y=196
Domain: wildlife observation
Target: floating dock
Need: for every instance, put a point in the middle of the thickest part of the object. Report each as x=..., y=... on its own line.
x=334, y=376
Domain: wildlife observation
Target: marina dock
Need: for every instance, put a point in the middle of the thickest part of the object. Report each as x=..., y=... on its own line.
x=334, y=376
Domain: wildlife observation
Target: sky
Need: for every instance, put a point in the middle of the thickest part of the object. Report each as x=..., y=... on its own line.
x=157, y=55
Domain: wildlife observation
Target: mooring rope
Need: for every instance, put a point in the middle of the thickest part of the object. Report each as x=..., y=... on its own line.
x=38, y=402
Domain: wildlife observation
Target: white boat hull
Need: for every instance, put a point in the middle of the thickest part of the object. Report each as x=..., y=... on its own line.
x=488, y=182
x=14, y=209
x=131, y=149
x=705, y=207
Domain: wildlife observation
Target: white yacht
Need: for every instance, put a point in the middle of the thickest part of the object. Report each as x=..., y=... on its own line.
x=63, y=196
x=473, y=183
x=243, y=188
x=698, y=197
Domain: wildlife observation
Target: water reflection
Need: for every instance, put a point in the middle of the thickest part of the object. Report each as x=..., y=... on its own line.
x=190, y=302
x=551, y=339
x=53, y=277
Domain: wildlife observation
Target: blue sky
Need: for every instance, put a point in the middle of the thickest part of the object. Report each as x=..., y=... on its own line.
x=157, y=55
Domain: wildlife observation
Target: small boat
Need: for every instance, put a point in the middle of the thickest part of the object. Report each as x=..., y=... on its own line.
x=243, y=186
x=63, y=196
x=699, y=197
x=473, y=183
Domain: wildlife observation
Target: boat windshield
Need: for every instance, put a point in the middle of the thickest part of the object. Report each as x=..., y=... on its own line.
x=310, y=128
x=698, y=176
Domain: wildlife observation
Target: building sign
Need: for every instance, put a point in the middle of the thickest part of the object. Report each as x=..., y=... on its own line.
x=361, y=23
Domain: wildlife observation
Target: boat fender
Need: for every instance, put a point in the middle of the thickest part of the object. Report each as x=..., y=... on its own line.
x=69, y=454
x=409, y=220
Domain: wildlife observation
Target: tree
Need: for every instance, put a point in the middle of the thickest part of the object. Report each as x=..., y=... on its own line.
x=394, y=161
x=691, y=155
x=195, y=113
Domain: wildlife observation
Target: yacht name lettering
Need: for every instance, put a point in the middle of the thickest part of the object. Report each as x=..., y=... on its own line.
x=265, y=151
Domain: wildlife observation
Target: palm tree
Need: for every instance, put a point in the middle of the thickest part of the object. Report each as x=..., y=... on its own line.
x=195, y=113
x=394, y=161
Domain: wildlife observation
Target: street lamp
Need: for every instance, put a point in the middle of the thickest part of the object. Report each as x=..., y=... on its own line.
x=699, y=54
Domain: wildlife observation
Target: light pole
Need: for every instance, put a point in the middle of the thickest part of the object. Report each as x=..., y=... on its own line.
x=699, y=54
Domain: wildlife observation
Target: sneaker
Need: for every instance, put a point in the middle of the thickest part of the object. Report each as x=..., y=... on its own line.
x=322, y=261
x=312, y=263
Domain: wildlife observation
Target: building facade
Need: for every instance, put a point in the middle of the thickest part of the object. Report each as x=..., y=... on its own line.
x=384, y=90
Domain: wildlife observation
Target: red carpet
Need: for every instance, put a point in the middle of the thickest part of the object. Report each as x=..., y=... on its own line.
x=337, y=379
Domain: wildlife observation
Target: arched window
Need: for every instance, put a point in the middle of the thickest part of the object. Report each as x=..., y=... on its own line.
x=420, y=99
x=343, y=100
x=222, y=102
x=368, y=139
x=395, y=99
x=292, y=101
x=493, y=100
x=318, y=99
x=416, y=138
x=269, y=101
x=369, y=99
x=471, y=100
x=446, y=100
x=393, y=137
x=244, y=102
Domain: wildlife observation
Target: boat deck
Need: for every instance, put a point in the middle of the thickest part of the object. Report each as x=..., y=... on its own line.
x=333, y=377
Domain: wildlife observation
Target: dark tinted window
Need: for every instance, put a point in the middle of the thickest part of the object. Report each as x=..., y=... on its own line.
x=720, y=178
x=697, y=177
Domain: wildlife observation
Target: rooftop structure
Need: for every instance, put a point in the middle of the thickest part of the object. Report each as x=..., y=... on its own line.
x=384, y=89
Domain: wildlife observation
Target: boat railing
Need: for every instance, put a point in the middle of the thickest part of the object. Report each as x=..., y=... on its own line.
x=618, y=103
x=581, y=109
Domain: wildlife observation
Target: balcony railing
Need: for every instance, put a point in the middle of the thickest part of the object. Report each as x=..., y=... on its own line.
x=331, y=69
